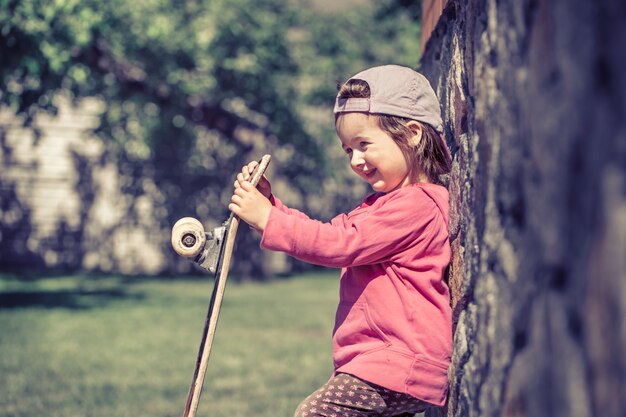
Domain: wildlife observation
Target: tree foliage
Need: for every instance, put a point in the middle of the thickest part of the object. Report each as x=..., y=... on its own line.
x=192, y=89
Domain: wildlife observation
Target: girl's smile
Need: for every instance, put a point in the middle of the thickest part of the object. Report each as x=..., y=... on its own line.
x=369, y=173
x=374, y=155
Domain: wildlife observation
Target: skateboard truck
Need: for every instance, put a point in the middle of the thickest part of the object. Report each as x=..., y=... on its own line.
x=210, y=255
x=211, y=251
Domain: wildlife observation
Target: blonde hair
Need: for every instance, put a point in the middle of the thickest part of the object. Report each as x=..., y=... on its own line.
x=429, y=157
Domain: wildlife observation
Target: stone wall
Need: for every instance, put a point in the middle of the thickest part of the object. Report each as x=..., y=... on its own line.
x=534, y=97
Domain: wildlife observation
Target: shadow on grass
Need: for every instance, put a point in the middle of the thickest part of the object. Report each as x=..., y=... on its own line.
x=75, y=299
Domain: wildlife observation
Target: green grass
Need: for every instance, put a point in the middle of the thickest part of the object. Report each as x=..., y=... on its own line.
x=77, y=346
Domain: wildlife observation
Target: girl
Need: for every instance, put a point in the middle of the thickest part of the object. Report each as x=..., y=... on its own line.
x=392, y=339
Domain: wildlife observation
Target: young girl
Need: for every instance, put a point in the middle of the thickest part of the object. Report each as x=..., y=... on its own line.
x=392, y=339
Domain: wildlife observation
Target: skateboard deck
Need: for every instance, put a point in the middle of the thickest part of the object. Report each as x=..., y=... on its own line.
x=213, y=252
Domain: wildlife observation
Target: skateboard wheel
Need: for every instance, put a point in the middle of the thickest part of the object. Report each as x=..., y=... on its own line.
x=188, y=237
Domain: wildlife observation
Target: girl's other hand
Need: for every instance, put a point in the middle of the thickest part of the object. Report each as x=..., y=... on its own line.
x=251, y=206
x=264, y=185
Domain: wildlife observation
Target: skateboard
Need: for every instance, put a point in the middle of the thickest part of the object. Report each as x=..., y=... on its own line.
x=213, y=252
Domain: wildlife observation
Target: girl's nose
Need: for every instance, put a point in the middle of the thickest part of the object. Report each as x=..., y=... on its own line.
x=356, y=160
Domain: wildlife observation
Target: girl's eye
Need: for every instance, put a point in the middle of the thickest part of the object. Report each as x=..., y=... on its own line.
x=348, y=151
x=363, y=144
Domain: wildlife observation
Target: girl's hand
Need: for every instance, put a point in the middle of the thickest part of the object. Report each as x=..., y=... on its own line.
x=263, y=186
x=251, y=205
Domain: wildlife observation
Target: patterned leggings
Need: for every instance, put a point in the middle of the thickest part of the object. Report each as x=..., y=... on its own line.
x=347, y=396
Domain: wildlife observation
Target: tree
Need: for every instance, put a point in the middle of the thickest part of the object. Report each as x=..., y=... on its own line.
x=193, y=89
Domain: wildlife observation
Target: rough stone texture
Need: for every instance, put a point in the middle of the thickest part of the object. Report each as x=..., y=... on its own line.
x=534, y=97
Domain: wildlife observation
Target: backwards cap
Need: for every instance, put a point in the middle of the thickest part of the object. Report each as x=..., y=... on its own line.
x=395, y=91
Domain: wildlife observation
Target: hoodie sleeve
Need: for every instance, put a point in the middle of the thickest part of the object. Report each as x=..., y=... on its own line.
x=284, y=209
x=374, y=234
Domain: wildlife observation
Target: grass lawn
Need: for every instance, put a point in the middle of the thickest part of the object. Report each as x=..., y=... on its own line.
x=115, y=347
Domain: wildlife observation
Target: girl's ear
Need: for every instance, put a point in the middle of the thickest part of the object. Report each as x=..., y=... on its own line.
x=416, y=129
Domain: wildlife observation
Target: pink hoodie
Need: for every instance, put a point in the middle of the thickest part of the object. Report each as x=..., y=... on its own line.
x=393, y=325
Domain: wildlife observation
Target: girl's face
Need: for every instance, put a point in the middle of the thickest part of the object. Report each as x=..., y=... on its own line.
x=374, y=155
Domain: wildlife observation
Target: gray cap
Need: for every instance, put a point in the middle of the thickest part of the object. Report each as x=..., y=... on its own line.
x=395, y=91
